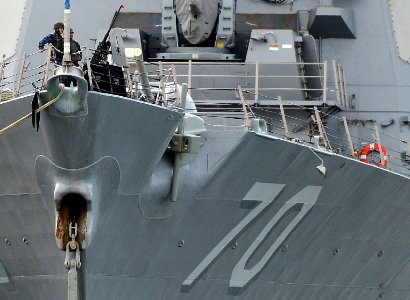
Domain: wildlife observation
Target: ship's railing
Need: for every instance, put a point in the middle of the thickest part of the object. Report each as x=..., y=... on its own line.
x=19, y=76
x=322, y=128
x=241, y=103
x=289, y=80
x=318, y=127
x=285, y=117
x=25, y=74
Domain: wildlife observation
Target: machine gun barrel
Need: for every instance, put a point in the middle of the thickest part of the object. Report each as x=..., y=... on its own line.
x=103, y=47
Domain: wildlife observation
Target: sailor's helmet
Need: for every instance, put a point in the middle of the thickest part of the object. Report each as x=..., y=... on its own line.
x=58, y=25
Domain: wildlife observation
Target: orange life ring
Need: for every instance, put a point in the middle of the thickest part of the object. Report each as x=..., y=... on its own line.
x=370, y=148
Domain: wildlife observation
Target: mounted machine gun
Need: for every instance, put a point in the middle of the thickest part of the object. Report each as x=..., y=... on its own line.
x=103, y=48
x=106, y=78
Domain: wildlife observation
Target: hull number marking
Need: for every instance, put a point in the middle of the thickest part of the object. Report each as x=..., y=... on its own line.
x=265, y=193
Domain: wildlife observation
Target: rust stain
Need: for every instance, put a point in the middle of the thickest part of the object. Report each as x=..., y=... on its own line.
x=63, y=221
x=64, y=217
x=82, y=228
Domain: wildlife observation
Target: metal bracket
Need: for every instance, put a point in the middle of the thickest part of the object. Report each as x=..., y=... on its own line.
x=405, y=156
x=185, y=143
x=404, y=121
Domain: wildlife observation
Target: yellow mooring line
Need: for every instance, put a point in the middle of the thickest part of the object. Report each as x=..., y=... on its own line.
x=49, y=103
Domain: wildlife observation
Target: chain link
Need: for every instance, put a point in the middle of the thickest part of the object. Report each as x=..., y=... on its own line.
x=71, y=246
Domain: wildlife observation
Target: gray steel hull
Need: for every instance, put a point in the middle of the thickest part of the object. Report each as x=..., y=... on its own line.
x=254, y=219
x=351, y=244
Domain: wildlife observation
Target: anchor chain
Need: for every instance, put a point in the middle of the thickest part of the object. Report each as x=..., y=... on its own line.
x=71, y=246
x=72, y=263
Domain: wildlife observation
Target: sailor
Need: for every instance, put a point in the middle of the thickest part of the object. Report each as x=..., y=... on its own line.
x=57, y=40
x=75, y=49
x=76, y=56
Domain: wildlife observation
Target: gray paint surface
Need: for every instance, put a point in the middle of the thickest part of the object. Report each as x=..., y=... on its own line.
x=351, y=244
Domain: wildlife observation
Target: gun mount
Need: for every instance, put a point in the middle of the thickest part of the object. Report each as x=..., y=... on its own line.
x=206, y=28
x=103, y=48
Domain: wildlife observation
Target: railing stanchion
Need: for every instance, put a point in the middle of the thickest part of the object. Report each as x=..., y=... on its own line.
x=1, y=79
x=46, y=69
x=245, y=110
x=282, y=112
x=177, y=94
x=344, y=88
x=321, y=128
x=382, y=160
x=256, y=82
x=337, y=85
x=324, y=82
x=349, y=137
x=189, y=77
x=161, y=87
x=21, y=72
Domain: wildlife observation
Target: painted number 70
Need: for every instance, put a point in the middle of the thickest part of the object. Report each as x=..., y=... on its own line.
x=265, y=193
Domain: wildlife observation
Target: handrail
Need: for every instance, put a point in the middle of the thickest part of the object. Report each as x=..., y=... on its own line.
x=262, y=78
x=16, y=74
x=22, y=76
x=258, y=90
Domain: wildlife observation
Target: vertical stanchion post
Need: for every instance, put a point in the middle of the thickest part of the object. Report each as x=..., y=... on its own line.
x=1, y=79
x=47, y=67
x=245, y=110
x=382, y=160
x=256, y=82
x=349, y=137
x=189, y=76
x=344, y=87
x=282, y=112
x=177, y=94
x=164, y=90
x=324, y=82
x=336, y=78
x=161, y=77
x=319, y=122
x=20, y=75
x=322, y=131
x=341, y=85
x=161, y=87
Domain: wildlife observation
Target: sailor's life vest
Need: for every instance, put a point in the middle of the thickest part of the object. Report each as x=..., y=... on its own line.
x=74, y=49
x=58, y=44
x=373, y=148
